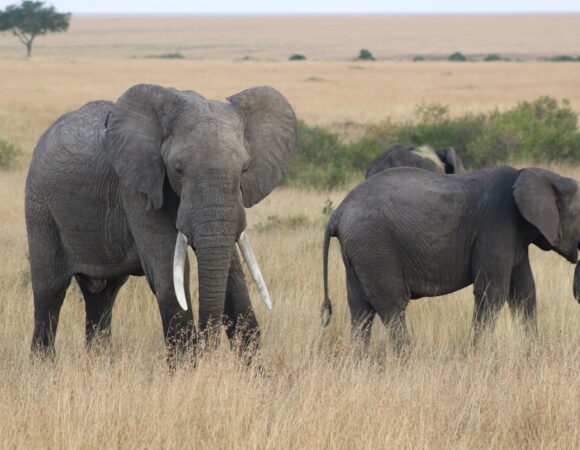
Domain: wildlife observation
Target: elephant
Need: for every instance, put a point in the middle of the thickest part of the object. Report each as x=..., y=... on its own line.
x=423, y=157
x=121, y=189
x=407, y=233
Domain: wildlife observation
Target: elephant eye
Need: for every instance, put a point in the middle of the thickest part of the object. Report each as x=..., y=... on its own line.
x=179, y=169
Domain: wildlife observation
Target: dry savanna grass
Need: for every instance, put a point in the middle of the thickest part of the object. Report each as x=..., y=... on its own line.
x=314, y=392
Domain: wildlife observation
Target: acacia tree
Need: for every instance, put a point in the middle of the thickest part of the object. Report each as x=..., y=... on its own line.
x=31, y=19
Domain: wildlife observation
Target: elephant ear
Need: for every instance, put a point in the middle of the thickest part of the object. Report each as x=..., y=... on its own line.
x=538, y=193
x=271, y=139
x=452, y=161
x=135, y=130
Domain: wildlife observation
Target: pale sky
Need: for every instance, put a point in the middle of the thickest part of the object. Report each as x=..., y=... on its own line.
x=308, y=6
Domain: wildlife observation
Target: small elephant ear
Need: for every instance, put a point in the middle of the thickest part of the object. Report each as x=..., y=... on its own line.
x=271, y=138
x=134, y=134
x=536, y=192
x=452, y=161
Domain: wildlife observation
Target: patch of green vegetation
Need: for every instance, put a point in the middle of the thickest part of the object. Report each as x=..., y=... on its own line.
x=457, y=56
x=540, y=131
x=563, y=58
x=9, y=154
x=275, y=222
x=365, y=55
x=314, y=79
x=493, y=57
x=175, y=55
x=297, y=57
x=418, y=58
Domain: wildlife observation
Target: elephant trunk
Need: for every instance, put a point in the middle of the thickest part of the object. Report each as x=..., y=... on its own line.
x=576, y=288
x=214, y=256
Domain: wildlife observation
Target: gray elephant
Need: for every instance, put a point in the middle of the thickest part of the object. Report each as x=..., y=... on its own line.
x=423, y=157
x=407, y=233
x=119, y=189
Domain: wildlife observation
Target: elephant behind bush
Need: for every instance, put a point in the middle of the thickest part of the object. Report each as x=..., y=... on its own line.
x=423, y=157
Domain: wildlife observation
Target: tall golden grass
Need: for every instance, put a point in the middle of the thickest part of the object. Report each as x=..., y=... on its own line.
x=314, y=392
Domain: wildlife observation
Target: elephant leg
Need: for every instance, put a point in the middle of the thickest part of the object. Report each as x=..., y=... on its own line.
x=522, y=298
x=47, y=304
x=491, y=289
x=361, y=311
x=155, y=236
x=50, y=276
x=99, y=298
x=241, y=323
x=178, y=326
x=393, y=317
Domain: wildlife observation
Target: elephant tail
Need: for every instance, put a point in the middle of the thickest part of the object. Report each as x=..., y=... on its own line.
x=326, y=308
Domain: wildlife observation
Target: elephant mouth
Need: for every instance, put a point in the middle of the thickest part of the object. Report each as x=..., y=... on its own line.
x=247, y=253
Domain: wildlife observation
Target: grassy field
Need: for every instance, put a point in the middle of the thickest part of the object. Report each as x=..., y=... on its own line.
x=315, y=393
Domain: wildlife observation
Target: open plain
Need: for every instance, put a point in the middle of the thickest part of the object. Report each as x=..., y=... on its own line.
x=313, y=392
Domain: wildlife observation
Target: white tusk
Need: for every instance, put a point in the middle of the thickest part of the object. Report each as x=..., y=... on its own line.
x=248, y=254
x=179, y=269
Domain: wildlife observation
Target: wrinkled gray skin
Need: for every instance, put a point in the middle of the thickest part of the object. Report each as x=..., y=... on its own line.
x=448, y=161
x=408, y=233
x=111, y=184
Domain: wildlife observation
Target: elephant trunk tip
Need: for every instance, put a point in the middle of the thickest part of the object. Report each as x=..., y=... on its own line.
x=326, y=312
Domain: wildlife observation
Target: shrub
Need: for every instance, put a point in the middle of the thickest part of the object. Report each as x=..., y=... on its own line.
x=8, y=154
x=457, y=56
x=493, y=57
x=538, y=131
x=562, y=58
x=365, y=55
x=175, y=55
x=322, y=160
x=297, y=57
x=542, y=130
x=418, y=58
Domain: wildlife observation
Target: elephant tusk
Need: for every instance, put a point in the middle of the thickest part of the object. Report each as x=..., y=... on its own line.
x=248, y=254
x=179, y=269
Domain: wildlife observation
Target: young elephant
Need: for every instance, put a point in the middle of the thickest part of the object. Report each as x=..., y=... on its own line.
x=408, y=233
x=423, y=157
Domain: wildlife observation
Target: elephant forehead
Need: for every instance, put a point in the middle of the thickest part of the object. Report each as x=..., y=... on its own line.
x=211, y=117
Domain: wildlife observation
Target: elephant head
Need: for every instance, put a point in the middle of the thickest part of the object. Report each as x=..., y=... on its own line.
x=218, y=157
x=423, y=157
x=551, y=203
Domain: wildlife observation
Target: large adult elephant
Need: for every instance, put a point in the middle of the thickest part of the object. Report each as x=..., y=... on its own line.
x=119, y=189
x=408, y=233
x=423, y=157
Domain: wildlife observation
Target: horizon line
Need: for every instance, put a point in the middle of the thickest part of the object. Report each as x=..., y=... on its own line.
x=302, y=14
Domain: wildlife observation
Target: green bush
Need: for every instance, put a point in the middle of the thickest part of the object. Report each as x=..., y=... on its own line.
x=493, y=57
x=365, y=55
x=297, y=57
x=175, y=55
x=539, y=131
x=8, y=154
x=457, y=56
x=562, y=58
x=322, y=160
x=418, y=58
